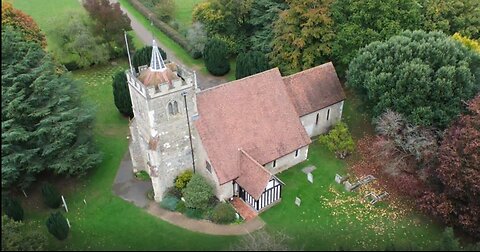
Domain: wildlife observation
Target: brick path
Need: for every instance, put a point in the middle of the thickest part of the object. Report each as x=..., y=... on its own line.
x=243, y=209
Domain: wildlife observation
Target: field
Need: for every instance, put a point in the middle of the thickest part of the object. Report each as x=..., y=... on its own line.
x=183, y=11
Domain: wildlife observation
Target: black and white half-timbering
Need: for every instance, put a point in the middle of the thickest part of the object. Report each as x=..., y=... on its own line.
x=271, y=194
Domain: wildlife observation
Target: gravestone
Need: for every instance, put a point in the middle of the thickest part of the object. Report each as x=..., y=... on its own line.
x=298, y=201
x=310, y=177
x=348, y=186
x=338, y=178
x=237, y=216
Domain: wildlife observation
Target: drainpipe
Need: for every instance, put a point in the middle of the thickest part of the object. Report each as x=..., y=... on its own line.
x=184, y=93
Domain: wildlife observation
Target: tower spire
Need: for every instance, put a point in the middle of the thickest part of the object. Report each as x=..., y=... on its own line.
x=156, y=63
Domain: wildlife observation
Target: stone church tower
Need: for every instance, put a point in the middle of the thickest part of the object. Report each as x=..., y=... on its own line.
x=160, y=139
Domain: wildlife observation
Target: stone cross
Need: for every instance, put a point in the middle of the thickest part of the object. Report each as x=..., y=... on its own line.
x=310, y=177
x=298, y=201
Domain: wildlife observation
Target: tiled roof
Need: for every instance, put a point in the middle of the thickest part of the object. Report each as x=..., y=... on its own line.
x=254, y=114
x=151, y=78
x=314, y=89
x=253, y=176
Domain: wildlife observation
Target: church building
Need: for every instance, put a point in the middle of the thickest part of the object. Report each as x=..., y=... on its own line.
x=238, y=135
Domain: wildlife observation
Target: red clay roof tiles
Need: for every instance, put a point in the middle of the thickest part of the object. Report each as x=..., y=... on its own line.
x=314, y=89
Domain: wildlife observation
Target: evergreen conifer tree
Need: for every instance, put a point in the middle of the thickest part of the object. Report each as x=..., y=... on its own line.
x=45, y=126
x=12, y=208
x=57, y=225
x=250, y=63
x=215, y=55
x=144, y=55
x=51, y=196
x=121, y=94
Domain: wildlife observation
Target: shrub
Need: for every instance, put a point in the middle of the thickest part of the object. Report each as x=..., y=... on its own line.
x=182, y=179
x=197, y=37
x=57, y=226
x=195, y=54
x=142, y=175
x=174, y=192
x=121, y=94
x=51, y=196
x=12, y=208
x=197, y=193
x=18, y=236
x=338, y=140
x=181, y=207
x=194, y=213
x=215, y=55
x=169, y=203
x=150, y=194
x=223, y=213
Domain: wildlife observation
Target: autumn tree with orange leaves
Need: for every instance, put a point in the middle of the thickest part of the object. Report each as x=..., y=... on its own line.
x=23, y=23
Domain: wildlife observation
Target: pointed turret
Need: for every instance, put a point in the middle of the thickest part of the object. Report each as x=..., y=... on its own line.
x=156, y=63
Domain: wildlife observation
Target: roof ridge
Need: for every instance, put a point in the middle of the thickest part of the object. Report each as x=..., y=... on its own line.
x=244, y=78
x=310, y=69
x=255, y=161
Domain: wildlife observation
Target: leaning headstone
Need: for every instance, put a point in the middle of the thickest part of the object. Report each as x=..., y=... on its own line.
x=310, y=177
x=338, y=178
x=298, y=201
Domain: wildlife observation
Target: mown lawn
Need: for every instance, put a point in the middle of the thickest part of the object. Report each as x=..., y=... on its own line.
x=107, y=222
x=184, y=10
x=329, y=218
x=47, y=14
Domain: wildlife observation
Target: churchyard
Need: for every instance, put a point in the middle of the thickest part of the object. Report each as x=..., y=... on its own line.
x=328, y=217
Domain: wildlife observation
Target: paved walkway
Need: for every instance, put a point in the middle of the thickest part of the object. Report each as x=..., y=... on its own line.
x=128, y=187
x=243, y=209
x=204, y=81
x=133, y=190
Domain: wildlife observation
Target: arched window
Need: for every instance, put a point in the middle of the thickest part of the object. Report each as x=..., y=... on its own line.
x=173, y=107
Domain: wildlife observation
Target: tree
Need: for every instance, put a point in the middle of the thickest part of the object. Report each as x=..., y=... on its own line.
x=360, y=22
x=226, y=19
x=303, y=36
x=263, y=15
x=250, y=63
x=165, y=9
x=16, y=236
x=458, y=173
x=408, y=139
x=77, y=43
x=110, y=23
x=197, y=193
x=215, y=55
x=45, y=125
x=121, y=94
x=424, y=76
x=338, y=140
x=51, y=196
x=144, y=55
x=197, y=38
x=263, y=241
x=451, y=16
x=57, y=226
x=12, y=208
x=23, y=23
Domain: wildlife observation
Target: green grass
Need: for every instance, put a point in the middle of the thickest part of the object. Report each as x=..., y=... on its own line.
x=108, y=222
x=184, y=10
x=330, y=218
x=47, y=14
x=177, y=50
